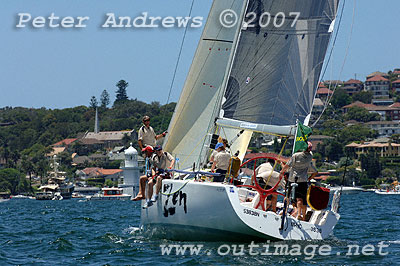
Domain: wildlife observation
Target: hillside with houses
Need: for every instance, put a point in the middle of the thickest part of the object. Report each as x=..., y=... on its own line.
x=356, y=126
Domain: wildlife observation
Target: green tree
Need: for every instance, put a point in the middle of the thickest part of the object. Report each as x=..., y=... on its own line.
x=340, y=98
x=93, y=102
x=363, y=96
x=121, y=94
x=10, y=179
x=104, y=99
x=361, y=115
x=370, y=163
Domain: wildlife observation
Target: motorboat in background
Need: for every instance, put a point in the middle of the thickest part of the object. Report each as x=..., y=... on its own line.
x=110, y=194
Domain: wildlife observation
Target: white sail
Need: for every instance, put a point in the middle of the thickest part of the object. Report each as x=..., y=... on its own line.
x=198, y=105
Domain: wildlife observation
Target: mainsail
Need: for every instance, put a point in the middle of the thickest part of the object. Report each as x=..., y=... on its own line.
x=198, y=105
x=277, y=65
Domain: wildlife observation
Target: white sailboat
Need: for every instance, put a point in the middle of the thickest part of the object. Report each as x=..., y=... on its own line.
x=259, y=75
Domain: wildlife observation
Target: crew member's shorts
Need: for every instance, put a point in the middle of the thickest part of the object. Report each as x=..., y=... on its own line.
x=301, y=191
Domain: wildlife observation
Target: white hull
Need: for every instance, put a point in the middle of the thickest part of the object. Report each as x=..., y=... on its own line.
x=213, y=211
x=383, y=192
x=346, y=190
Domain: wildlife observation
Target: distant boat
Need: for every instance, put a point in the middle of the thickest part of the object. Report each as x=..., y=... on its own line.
x=57, y=188
x=393, y=189
x=346, y=190
x=21, y=197
x=110, y=194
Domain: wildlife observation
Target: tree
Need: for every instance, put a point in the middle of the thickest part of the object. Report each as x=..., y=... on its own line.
x=361, y=115
x=93, y=102
x=10, y=179
x=340, y=98
x=121, y=95
x=370, y=163
x=104, y=99
x=363, y=96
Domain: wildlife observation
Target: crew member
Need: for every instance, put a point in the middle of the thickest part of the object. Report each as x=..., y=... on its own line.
x=299, y=165
x=221, y=162
x=146, y=134
x=148, y=152
x=267, y=178
x=161, y=162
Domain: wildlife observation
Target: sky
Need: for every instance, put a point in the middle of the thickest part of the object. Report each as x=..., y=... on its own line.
x=60, y=67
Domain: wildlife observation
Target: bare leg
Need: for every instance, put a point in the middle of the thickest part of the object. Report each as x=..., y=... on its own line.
x=142, y=188
x=273, y=202
x=150, y=189
x=301, y=209
x=158, y=184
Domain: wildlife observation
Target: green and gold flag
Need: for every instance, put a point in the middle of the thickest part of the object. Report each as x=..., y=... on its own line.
x=303, y=132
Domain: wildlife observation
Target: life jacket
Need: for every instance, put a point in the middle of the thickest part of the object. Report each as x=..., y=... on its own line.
x=233, y=168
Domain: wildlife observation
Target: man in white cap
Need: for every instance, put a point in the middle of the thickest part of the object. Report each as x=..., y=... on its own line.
x=299, y=165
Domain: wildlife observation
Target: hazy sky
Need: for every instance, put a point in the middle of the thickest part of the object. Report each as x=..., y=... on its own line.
x=57, y=67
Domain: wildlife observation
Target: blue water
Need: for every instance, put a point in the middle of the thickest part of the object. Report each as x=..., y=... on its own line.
x=73, y=232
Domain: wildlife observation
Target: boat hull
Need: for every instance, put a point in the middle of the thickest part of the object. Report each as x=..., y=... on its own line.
x=191, y=210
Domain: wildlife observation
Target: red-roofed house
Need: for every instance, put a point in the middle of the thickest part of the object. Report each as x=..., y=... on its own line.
x=378, y=73
x=63, y=143
x=396, y=85
x=96, y=172
x=352, y=86
x=382, y=149
x=396, y=72
x=378, y=85
x=323, y=93
x=383, y=111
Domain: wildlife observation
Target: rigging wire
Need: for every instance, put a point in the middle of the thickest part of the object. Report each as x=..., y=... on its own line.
x=329, y=98
x=177, y=63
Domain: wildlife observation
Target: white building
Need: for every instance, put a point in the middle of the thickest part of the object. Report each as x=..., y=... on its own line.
x=131, y=172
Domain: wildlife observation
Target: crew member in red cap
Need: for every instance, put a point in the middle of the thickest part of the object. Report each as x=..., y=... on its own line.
x=299, y=165
x=148, y=152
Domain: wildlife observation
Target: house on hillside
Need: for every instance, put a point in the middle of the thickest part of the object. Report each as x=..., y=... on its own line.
x=390, y=112
x=378, y=85
x=396, y=85
x=381, y=149
x=385, y=128
x=352, y=86
x=96, y=172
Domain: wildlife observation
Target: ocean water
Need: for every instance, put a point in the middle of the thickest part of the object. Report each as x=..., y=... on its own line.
x=74, y=232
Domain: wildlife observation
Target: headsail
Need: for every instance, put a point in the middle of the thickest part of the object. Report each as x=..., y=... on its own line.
x=277, y=65
x=198, y=105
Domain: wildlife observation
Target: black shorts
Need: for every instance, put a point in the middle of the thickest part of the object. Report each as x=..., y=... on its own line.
x=221, y=177
x=301, y=191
